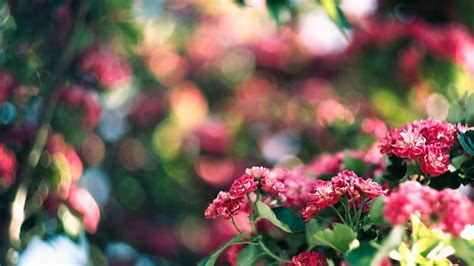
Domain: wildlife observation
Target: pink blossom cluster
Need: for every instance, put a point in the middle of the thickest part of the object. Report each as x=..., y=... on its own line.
x=297, y=186
x=448, y=209
x=334, y=163
x=309, y=258
x=228, y=204
x=84, y=100
x=107, y=67
x=8, y=165
x=426, y=140
x=345, y=183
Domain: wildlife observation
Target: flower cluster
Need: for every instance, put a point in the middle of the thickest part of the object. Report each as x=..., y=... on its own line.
x=228, y=204
x=84, y=100
x=307, y=258
x=8, y=166
x=448, y=209
x=334, y=163
x=426, y=140
x=328, y=193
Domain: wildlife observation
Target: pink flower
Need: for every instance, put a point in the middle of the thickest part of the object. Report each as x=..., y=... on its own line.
x=109, y=69
x=225, y=205
x=456, y=211
x=323, y=194
x=309, y=211
x=438, y=133
x=8, y=165
x=411, y=197
x=409, y=142
x=434, y=161
x=386, y=143
x=309, y=258
x=243, y=185
x=7, y=85
x=369, y=188
x=257, y=171
x=273, y=186
x=82, y=202
x=84, y=100
x=298, y=186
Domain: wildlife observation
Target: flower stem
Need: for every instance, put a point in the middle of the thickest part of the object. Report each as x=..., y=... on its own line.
x=270, y=253
x=235, y=225
x=338, y=214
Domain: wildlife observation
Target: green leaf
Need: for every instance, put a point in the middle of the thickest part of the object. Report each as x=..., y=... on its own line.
x=335, y=13
x=249, y=255
x=240, y=2
x=396, y=169
x=279, y=10
x=283, y=218
x=362, y=255
x=456, y=113
x=376, y=213
x=464, y=250
x=339, y=238
x=355, y=164
x=211, y=260
x=467, y=141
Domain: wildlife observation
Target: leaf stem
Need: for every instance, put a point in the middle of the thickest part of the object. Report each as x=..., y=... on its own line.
x=270, y=253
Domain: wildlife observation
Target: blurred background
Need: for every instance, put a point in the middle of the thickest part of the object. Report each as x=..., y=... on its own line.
x=151, y=107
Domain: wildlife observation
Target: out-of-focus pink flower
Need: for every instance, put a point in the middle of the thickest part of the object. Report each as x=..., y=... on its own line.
x=410, y=198
x=374, y=126
x=297, y=184
x=434, y=161
x=257, y=171
x=456, y=211
x=8, y=165
x=232, y=253
x=448, y=209
x=107, y=67
x=273, y=186
x=214, y=136
x=63, y=16
x=147, y=109
x=82, y=202
x=409, y=64
x=86, y=101
x=309, y=258
x=7, y=84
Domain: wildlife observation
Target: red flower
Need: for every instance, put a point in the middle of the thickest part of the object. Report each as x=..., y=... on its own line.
x=309, y=258
x=409, y=142
x=245, y=184
x=8, y=166
x=82, y=202
x=225, y=205
x=273, y=186
x=434, y=161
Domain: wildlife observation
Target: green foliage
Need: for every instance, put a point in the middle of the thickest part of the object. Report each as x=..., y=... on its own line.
x=361, y=256
x=339, y=238
x=249, y=255
x=211, y=260
x=355, y=164
x=467, y=141
x=283, y=218
x=279, y=10
x=376, y=213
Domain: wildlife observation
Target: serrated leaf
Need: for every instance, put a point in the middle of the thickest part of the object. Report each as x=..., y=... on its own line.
x=467, y=141
x=283, y=218
x=211, y=260
x=339, y=238
x=249, y=255
x=361, y=256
